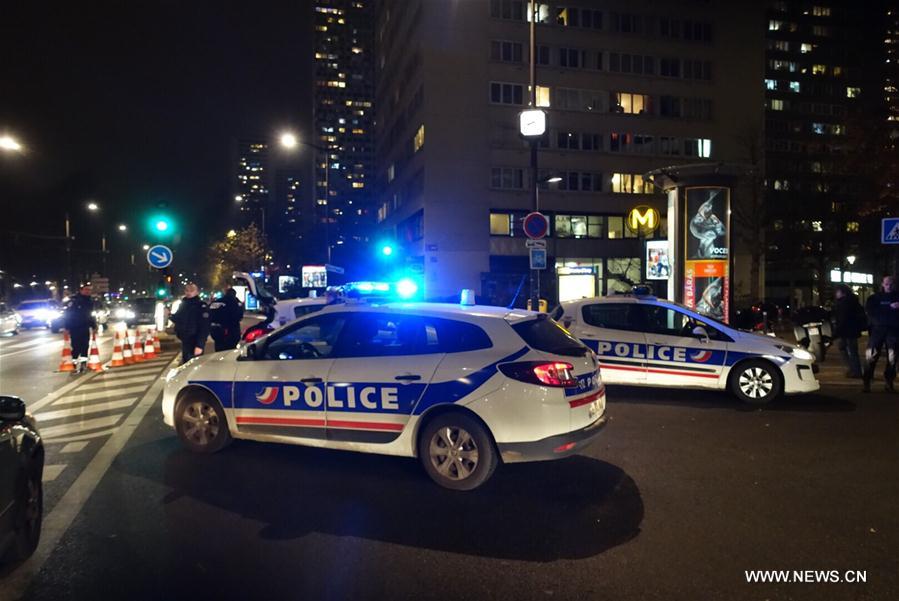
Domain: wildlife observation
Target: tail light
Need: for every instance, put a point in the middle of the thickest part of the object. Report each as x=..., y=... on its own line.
x=255, y=333
x=543, y=373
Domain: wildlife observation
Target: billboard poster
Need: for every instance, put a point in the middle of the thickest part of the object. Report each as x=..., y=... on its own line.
x=658, y=264
x=314, y=276
x=707, y=251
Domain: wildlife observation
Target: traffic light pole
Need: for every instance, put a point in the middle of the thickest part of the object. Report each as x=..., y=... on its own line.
x=535, y=274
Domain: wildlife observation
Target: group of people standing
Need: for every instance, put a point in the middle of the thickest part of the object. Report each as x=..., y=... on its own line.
x=195, y=321
x=880, y=316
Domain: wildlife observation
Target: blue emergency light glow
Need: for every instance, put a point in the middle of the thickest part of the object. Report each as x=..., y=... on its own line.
x=387, y=250
x=406, y=288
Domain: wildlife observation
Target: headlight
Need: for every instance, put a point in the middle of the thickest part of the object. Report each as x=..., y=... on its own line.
x=124, y=314
x=799, y=353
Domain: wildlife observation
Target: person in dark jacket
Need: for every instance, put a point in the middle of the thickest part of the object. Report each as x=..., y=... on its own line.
x=224, y=320
x=79, y=319
x=883, y=317
x=848, y=324
x=191, y=323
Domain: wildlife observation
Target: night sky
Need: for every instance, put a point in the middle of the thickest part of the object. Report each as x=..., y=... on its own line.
x=135, y=104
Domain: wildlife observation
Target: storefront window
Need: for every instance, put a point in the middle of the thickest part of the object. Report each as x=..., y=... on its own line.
x=500, y=224
x=563, y=226
x=579, y=226
x=622, y=274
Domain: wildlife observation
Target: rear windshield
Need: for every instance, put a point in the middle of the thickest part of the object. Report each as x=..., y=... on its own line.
x=145, y=304
x=32, y=305
x=546, y=335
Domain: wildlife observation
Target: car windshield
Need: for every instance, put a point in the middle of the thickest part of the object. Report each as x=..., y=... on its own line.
x=34, y=305
x=546, y=335
x=144, y=304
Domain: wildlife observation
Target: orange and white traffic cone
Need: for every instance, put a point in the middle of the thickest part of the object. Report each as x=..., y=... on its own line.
x=66, y=364
x=149, y=346
x=138, y=347
x=118, y=358
x=127, y=355
x=93, y=362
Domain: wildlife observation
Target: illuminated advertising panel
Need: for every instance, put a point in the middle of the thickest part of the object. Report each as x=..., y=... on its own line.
x=314, y=276
x=707, y=251
x=658, y=264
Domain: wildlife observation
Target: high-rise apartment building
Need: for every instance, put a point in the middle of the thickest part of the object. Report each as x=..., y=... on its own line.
x=251, y=173
x=343, y=212
x=824, y=83
x=628, y=87
x=285, y=230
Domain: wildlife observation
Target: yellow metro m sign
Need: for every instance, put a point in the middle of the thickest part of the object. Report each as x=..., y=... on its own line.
x=643, y=220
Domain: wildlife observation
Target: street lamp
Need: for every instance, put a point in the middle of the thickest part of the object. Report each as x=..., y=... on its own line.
x=92, y=206
x=288, y=140
x=123, y=227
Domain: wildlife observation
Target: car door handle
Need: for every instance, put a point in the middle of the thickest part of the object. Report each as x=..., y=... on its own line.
x=408, y=378
x=311, y=380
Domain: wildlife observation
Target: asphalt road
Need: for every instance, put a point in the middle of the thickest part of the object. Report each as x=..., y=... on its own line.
x=685, y=492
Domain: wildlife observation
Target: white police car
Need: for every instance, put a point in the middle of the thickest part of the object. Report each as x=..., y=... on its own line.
x=460, y=387
x=641, y=340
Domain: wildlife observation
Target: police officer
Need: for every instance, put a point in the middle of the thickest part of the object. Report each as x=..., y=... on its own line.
x=848, y=324
x=224, y=320
x=79, y=320
x=883, y=320
x=191, y=323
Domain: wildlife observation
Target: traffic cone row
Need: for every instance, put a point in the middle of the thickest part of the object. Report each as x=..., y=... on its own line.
x=138, y=349
x=66, y=364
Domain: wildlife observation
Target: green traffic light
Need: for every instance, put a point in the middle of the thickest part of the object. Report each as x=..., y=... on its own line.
x=161, y=292
x=162, y=225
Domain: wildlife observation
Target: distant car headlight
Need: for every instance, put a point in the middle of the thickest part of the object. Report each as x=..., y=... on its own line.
x=799, y=353
x=124, y=314
x=46, y=314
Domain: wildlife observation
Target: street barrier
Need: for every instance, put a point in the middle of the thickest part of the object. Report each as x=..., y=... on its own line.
x=138, y=350
x=149, y=346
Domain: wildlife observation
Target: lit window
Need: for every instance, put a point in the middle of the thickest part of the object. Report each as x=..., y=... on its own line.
x=853, y=92
x=358, y=185
x=419, y=139
x=500, y=224
x=817, y=227
x=794, y=86
x=631, y=104
x=774, y=25
x=821, y=11
x=806, y=48
x=543, y=96
x=770, y=84
x=630, y=183
x=819, y=69
x=777, y=105
x=852, y=226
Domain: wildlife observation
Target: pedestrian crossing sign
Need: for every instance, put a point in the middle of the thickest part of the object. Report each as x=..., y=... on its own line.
x=889, y=231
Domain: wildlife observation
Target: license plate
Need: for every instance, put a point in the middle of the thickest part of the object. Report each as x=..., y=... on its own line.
x=593, y=409
x=814, y=331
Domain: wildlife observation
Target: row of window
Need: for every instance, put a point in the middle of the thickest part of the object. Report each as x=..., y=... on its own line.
x=629, y=143
x=776, y=64
x=802, y=127
x=807, y=108
x=821, y=31
x=509, y=51
x=565, y=225
x=816, y=186
x=809, y=87
x=781, y=145
x=572, y=16
x=514, y=178
x=852, y=227
x=600, y=101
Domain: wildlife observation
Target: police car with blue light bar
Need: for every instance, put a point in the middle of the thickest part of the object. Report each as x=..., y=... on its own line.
x=644, y=341
x=462, y=388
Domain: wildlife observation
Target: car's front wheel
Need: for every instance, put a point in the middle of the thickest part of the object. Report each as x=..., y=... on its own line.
x=757, y=382
x=28, y=515
x=457, y=452
x=201, y=424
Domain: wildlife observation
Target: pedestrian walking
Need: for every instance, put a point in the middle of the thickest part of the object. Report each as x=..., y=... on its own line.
x=191, y=323
x=883, y=320
x=225, y=314
x=848, y=324
x=79, y=319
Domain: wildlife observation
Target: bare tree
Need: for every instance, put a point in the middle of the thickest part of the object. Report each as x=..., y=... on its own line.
x=750, y=214
x=241, y=250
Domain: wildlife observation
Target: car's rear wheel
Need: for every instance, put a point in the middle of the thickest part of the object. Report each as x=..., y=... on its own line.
x=756, y=382
x=28, y=516
x=201, y=424
x=457, y=452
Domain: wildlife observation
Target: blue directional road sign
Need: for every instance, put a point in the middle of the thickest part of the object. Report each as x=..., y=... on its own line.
x=889, y=230
x=159, y=256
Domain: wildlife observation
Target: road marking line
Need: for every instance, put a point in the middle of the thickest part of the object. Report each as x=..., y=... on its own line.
x=18, y=344
x=74, y=447
x=81, y=437
x=103, y=383
x=84, y=410
x=80, y=426
x=120, y=375
x=51, y=472
x=60, y=392
x=58, y=521
x=79, y=397
x=48, y=346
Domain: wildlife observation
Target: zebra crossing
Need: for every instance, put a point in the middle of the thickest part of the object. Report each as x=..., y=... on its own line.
x=93, y=410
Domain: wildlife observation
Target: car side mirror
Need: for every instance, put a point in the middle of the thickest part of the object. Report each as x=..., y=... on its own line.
x=248, y=352
x=12, y=408
x=701, y=333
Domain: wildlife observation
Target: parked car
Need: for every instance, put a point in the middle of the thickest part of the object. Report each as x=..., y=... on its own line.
x=40, y=314
x=9, y=321
x=21, y=472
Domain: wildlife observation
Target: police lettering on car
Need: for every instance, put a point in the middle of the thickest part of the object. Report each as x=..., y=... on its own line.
x=460, y=387
x=644, y=341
